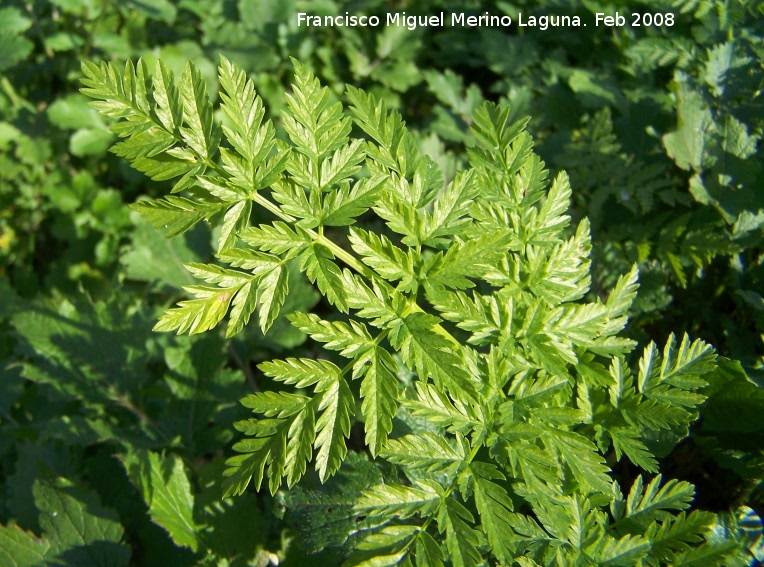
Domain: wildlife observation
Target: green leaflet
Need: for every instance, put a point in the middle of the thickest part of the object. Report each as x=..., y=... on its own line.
x=461, y=540
x=284, y=443
x=427, y=452
x=495, y=509
x=459, y=325
x=212, y=303
x=397, y=500
x=371, y=362
x=318, y=263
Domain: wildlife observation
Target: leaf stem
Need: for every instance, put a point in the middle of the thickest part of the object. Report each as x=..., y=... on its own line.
x=335, y=248
x=272, y=207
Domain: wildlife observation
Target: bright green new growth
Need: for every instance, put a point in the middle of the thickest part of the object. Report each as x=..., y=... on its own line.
x=521, y=393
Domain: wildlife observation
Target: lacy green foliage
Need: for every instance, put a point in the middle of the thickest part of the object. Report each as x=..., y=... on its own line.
x=82, y=380
x=521, y=389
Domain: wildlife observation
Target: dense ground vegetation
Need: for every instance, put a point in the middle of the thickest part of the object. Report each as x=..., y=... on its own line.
x=121, y=445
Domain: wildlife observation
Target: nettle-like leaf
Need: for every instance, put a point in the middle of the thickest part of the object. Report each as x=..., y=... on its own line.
x=163, y=483
x=77, y=528
x=464, y=312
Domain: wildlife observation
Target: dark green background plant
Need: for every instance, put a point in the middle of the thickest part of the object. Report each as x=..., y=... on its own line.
x=658, y=128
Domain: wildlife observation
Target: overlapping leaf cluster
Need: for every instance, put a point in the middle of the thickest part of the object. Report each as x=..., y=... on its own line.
x=464, y=318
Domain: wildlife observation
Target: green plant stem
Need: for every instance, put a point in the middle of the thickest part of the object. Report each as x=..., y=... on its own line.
x=337, y=250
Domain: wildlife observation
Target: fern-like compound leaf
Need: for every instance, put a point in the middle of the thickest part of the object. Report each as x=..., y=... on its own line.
x=489, y=375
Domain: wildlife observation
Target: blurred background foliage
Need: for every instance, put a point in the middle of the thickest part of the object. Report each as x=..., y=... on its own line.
x=659, y=128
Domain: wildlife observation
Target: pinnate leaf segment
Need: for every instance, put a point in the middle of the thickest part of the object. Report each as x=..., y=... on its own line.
x=466, y=312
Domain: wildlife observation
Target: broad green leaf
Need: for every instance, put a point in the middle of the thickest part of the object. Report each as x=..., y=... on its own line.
x=428, y=551
x=595, y=89
x=687, y=144
x=155, y=9
x=13, y=46
x=79, y=529
x=73, y=112
x=322, y=513
x=154, y=258
x=79, y=348
x=162, y=481
x=19, y=548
